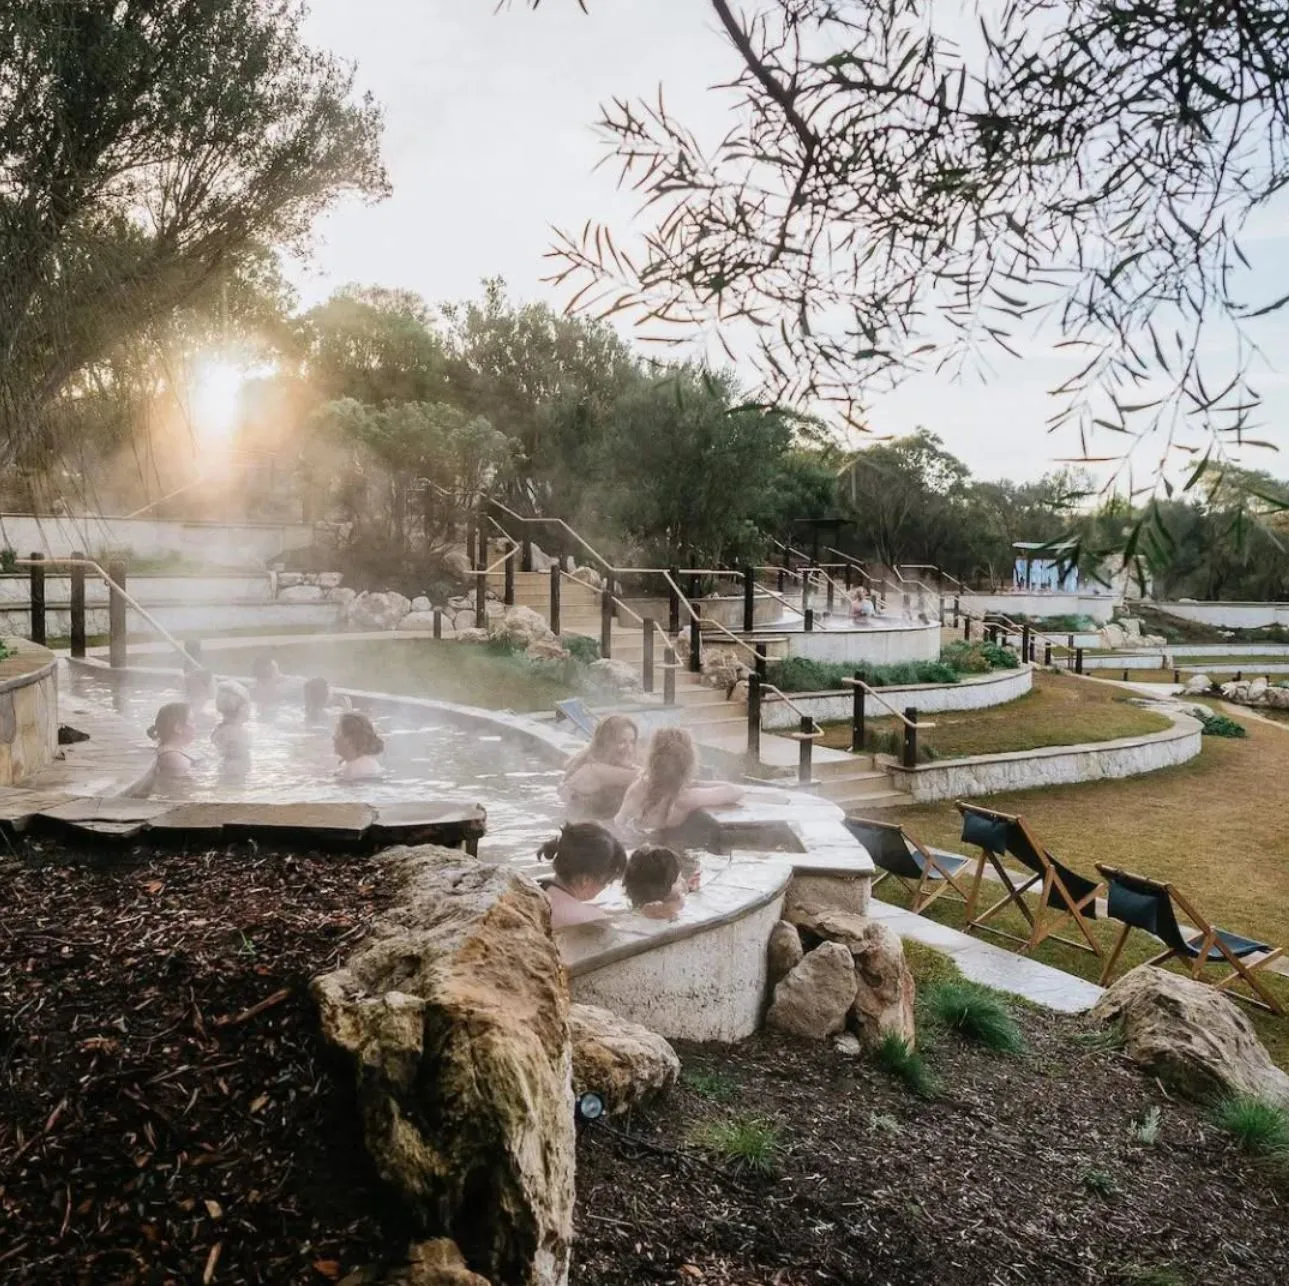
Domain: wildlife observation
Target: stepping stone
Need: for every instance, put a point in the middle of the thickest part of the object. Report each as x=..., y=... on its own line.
x=319, y=823
x=115, y=817
x=429, y=822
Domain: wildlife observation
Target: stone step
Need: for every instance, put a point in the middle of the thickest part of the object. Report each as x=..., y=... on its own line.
x=865, y=804
x=859, y=785
x=840, y=768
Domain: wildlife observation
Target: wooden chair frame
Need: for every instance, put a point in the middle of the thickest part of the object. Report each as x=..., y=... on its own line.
x=935, y=879
x=1207, y=938
x=1044, y=921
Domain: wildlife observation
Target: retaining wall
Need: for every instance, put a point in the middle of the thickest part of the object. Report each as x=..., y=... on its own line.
x=1051, y=765
x=183, y=618
x=1100, y=607
x=878, y=645
x=975, y=693
x=1231, y=616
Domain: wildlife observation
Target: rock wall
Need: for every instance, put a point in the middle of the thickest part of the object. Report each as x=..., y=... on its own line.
x=455, y=1017
x=28, y=711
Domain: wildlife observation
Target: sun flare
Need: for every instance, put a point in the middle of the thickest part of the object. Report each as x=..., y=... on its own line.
x=215, y=396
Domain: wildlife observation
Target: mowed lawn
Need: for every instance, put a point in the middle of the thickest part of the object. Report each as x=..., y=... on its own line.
x=1061, y=710
x=1216, y=827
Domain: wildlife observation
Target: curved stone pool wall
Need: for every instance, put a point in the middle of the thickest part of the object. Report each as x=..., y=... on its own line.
x=28, y=711
x=887, y=643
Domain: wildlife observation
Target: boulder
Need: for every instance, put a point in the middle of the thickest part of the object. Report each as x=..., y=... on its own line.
x=379, y=611
x=1113, y=636
x=521, y=626
x=613, y=676
x=454, y=1015
x=330, y=580
x=622, y=1062
x=1191, y=1036
x=433, y=1263
x=785, y=951
x=471, y=635
x=415, y=620
x=1131, y=628
x=588, y=576
x=1196, y=684
x=421, y=603
x=301, y=594
x=1277, y=697
x=885, y=991
x=1258, y=690
x=542, y=562
x=289, y=580
x=464, y=620
x=342, y=595
x=461, y=603
x=456, y=564
x=1237, y=692
x=815, y=997
x=550, y=649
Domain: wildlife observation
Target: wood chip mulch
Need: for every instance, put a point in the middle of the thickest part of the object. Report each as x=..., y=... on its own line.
x=169, y=1113
x=1027, y=1170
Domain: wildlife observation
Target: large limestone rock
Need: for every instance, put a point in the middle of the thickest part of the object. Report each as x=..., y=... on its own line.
x=1113, y=636
x=521, y=626
x=330, y=580
x=469, y=634
x=814, y=999
x=1236, y=691
x=378, y=611
x=1277, y=697
x=454, y=1014
x=455, y=563
x=438, y=1262
x=588, y=576
x=550, y=649
x=1196, y=684
x=421, y=603
x=421, y=621
x=785, y=951
x=1190, y=1036
x=614, y=676
x=1257, y=690
x=622, y=1062
x=301, y=594
x=885, y=990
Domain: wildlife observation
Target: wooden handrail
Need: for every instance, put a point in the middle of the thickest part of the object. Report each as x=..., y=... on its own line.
x=853, y=682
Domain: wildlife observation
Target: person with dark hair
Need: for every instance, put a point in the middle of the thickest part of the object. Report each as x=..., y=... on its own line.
x=587, y=858
x=317, y=693
x=357, y=743
x=173, y=730
x=655, y=882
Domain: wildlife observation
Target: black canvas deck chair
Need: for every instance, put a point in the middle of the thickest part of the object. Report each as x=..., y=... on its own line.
x=1139, y=902
x=1062, y=894
x=925, y=872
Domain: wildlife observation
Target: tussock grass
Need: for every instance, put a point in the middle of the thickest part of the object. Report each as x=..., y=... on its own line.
x=1259, y=1126
x=894, y=1056
x=976, y=1013
x=713, y=1085
x=747, y=1144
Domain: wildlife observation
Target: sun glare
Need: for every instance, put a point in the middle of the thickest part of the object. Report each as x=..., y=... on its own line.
x=216, y=389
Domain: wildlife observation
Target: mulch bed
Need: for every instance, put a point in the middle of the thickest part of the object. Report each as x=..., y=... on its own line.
x=169, y=1111
x=1027, y=1170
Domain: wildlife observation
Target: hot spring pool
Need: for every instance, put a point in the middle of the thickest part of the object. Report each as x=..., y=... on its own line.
x=429, y=755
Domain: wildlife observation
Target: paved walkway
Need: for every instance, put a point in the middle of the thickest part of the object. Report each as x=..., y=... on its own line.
x=993, y=966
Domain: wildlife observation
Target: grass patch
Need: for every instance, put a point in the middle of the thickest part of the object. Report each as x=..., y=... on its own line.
x=895, y=1057
x=1259, y=1126
x=929, y=966
x=747, y=1144
x=1059, y=711
x=713, y=1085
x=438, y=669
x=976, y=1013
x=1100, y=1184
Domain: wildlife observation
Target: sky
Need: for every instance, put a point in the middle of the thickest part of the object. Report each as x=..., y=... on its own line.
x=489, y=145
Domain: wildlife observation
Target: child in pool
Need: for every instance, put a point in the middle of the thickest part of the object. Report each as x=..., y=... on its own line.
x=231, y=737
x=199, y=687
x=357, y=743
x=655, y=882
x=173, y=730
x=587, y=858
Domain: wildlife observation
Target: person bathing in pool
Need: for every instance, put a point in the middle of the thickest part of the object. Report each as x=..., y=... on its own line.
x=595, y=781
x=655, y=882
x=665, y=794
x=173, y=730
x=587, y=858
x=232, y=736
x=358, y=744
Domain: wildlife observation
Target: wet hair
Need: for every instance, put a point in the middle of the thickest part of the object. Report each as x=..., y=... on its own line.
x=607, y=731
x=170, y=718
x=358, y=730
x=652, y=872
x=317, y=692
x=668, y=769
x=585, y=850
x=231, y=699
x=264, y=666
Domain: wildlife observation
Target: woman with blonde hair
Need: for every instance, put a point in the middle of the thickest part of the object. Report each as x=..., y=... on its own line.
x=665, y=795
x=596, y=780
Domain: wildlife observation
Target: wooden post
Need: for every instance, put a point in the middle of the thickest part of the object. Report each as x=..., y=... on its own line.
x=471, y=551
x=606, y=623
x=957, y=607
x=1125, y=674
x=78, y=606
x=669, y=677
x=857, y=716
x=1078, y=660
x=695, y=645
x=805, y=590
x=847, y=573
x=526, y=555
x=438, y=622
x=749, y=601
x=754, y=718
x=1047, y=652
x=1024, y=643
x=480, y=600
x=831, y=598
x=1177, y=675
x=116, y=616
x=782, y=579
x=673, y=602
x=966, y=627
x=911, y=738
x=761, y=661
x=805, y=751
x=809, y=623
x=508, y=597
x=554, y=613
x=38, y=598
x=646, y=677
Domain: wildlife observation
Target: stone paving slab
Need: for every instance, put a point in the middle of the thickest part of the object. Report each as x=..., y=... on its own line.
x=993, y=966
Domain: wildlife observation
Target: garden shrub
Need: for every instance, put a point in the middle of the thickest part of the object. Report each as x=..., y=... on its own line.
x=1220, y=725
x=582, y=648
x=800, y=674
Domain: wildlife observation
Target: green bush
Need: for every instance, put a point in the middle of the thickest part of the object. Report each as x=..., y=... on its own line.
x=978, y=658
x=800, y=674
x=894, y=1056
x=1220, y=725
x=581, y=648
